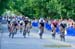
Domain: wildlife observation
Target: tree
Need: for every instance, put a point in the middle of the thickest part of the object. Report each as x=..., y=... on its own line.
x=3, y=6
x=40, y=8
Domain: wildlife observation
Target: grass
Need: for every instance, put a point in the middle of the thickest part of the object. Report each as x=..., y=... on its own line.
x=56, y=46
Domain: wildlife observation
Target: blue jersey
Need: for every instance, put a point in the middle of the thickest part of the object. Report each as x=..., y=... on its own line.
x=0, y=18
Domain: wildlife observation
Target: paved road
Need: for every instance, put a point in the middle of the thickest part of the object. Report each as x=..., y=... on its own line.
x=33, y=41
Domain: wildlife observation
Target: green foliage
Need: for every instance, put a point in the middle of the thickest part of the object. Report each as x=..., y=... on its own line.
x=40, y=8
x=3, y=5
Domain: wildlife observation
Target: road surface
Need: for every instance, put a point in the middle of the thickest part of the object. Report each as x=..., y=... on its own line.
x=33, y=41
